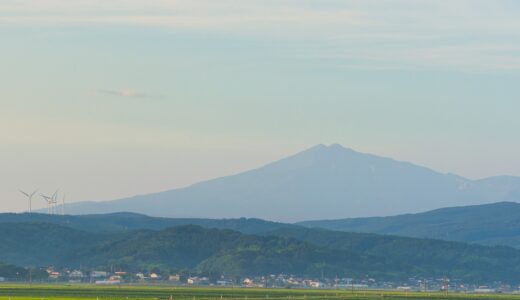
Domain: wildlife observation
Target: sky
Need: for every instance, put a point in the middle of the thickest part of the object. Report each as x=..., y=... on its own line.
x=108, y=99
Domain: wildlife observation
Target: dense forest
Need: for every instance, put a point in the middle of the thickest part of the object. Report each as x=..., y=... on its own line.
x=274, y=248
x=487, y=224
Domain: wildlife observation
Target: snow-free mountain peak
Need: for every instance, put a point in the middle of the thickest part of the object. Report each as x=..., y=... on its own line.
x=322, y=182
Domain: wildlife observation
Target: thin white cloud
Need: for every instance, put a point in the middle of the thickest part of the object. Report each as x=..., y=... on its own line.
x=123, y=93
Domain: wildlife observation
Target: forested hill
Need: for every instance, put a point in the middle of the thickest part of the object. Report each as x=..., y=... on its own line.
x=488, y=224
x=284, y=250
x=123, y=221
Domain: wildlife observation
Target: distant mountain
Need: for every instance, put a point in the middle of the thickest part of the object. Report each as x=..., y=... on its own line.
x=323, y=182
x=488, y=224
x=294, y=250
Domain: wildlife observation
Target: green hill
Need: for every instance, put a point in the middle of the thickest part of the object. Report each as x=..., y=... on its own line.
x=120, y=222
x=292, y=250
x=420, y=257
x=222, y=251
x=489, y=224
x=42, y=244
x=185, y=247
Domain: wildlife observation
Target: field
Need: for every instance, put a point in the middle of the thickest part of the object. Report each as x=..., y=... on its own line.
x=72, y=292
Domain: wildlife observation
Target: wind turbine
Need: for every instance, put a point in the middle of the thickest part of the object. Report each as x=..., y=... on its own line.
x=29, y=198
x=49, y=201
x=54, y=202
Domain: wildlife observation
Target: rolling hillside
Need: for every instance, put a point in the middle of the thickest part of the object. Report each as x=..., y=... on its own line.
x=293, y=249
x=416, y=256
x=323, y=182
x=489, y=224
x=118, y=222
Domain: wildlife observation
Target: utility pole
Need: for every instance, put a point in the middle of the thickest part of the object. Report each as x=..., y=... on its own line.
x=446, y=285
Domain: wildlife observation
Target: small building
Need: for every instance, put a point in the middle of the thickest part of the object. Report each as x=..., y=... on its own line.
x=98, y=274
x=484, y=290
x=175, y=277
x=198, y=281
x=359, y=286
x=248, y=282
x=76, y=274
x=223, y=282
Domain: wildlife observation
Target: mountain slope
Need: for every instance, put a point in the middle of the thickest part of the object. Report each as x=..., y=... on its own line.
x=120, y=222
x=323, y=182
x=298, y=251
x=423, y=257
x=489, y=224
x=224, y=251
x=185, y=247
x=42, y=244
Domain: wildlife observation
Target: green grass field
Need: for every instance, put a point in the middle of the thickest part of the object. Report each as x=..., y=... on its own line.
x=42, y=292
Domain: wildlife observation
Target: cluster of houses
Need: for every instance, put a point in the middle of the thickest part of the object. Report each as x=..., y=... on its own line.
x=101, y=277
x=281, y=280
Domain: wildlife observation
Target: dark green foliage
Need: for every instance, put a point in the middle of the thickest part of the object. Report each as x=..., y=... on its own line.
x=10, y=271
x=118, y=222
x=421, y=257
x=36, y=244
x=222, y=251
x=254, y=255
x=295, y=250
x=489, y=224
x=14, y=273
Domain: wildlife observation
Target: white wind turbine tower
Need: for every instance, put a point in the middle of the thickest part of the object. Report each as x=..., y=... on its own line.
x=54, y=203
x=48, y=200
x=63, y=204
x=51, y=202
x=29, y=198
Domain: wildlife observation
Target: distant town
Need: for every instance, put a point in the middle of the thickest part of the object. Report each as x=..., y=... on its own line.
x=101, y=277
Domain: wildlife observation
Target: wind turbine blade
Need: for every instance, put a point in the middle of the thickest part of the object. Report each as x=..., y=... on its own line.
x=55, y=194
x=33, y=193
x=24, y=193
x=45, y=197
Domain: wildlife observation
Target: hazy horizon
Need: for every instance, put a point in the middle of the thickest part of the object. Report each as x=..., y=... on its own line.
x=110, y=99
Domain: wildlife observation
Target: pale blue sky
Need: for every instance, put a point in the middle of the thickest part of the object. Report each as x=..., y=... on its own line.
x=106, y=99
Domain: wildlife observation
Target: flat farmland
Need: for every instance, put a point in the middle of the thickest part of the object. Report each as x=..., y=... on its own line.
x=63, y=292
